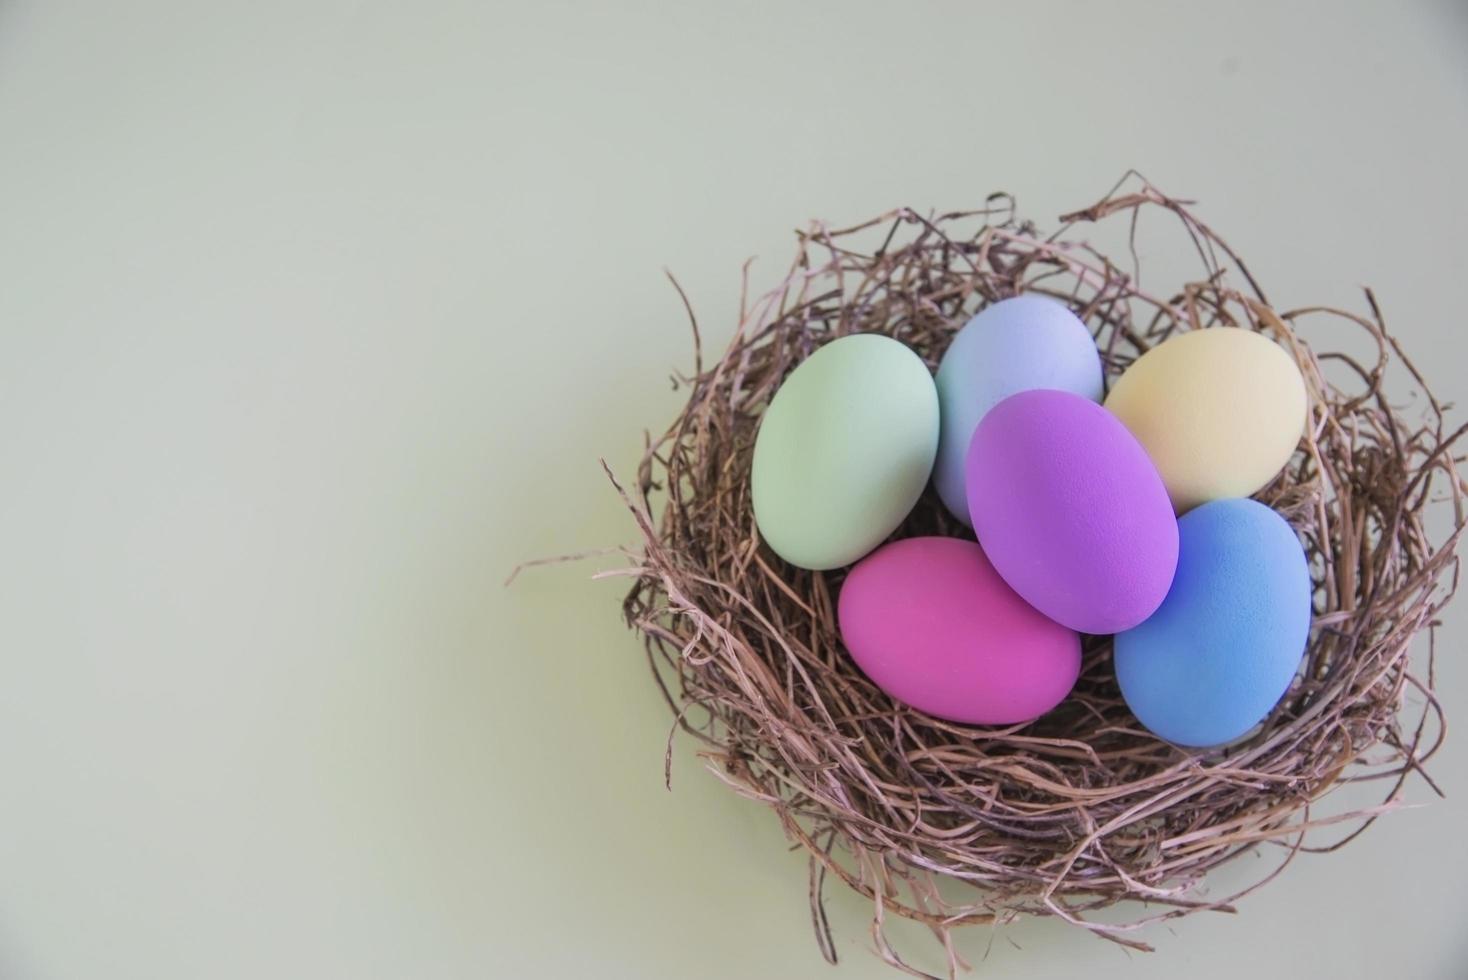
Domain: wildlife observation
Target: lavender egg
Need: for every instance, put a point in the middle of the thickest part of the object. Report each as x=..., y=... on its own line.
x=1011, y=346
x=1071, y=511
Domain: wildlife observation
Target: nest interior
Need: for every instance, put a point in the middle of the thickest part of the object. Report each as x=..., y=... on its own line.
x=953, y=825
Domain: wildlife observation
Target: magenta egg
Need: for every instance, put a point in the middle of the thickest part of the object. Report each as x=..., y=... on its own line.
x=1071, y=511
x=933, y=625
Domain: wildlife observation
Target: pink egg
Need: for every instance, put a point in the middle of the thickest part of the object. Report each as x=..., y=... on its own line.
x=933, y=625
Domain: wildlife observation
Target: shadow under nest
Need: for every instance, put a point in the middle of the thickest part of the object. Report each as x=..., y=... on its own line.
x=954, y=825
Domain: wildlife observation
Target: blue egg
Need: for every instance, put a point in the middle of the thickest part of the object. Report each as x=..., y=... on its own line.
x=1221, y=650
x=1011, y=346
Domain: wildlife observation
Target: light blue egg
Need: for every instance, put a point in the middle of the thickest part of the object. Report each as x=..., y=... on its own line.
x=1221, y=650
x=1011, y=346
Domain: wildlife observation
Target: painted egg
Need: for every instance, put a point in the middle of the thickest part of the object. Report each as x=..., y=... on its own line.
x=1220, y=412
x=1011, y=346
x=844, y=451
x=1071, y=511
x=933, y=625
x=1222, y=649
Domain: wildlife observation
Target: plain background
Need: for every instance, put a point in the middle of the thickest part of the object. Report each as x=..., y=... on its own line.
x=314, y=320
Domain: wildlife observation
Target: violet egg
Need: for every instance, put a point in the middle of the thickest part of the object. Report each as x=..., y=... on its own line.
x=1070, y=511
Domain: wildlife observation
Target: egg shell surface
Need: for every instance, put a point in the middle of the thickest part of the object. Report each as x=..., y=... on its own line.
x=933, y=625
x=844, y=450
x=1013, y=345
x=1221, y=651
x=1071, y=511
x=1220, y=411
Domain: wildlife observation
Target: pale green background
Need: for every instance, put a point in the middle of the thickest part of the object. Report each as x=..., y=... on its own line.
x=314, y=318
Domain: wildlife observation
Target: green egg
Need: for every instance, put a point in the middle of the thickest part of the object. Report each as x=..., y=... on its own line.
x=844, y=451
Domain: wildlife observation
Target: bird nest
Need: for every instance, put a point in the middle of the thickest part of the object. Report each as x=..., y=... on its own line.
x=953, y=825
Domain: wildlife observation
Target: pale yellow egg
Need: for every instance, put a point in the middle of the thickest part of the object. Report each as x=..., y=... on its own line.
x=1220, y=411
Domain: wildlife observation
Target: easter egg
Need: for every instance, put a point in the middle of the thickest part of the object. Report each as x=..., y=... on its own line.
x=1220, y=412
x=1011, y=346
x=844, y=451
x=1222, y=649
x=933, y=625
x=1071, y=511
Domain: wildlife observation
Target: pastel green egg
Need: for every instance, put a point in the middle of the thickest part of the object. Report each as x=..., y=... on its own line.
x=844, y=450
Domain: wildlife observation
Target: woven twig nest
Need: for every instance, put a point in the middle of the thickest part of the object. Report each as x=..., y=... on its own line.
x=954, y=825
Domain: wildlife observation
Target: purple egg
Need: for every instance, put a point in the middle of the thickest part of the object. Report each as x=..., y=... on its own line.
x=1071, y=511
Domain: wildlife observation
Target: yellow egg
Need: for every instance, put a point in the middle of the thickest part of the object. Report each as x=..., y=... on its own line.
x=1220, y=411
